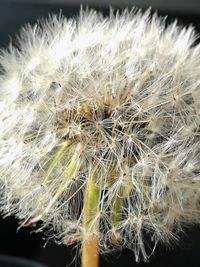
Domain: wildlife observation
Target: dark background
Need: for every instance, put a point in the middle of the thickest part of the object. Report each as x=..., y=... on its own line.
x=23, y=243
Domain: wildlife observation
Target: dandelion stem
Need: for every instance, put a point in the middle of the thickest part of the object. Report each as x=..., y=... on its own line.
x=90, y=249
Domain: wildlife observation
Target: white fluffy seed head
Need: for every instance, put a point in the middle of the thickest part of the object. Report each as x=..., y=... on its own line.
x=116, y=99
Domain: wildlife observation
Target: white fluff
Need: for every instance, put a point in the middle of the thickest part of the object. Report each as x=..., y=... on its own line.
x=120, y=95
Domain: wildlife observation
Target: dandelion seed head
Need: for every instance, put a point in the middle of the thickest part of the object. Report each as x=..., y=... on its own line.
x=116, y=99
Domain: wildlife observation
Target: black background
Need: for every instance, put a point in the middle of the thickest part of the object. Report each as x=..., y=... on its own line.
x=23, y=243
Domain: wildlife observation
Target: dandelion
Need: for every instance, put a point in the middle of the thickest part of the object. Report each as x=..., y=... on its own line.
x=100, y=130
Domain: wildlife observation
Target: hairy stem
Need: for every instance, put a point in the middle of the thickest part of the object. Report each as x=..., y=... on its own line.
x=90, y=249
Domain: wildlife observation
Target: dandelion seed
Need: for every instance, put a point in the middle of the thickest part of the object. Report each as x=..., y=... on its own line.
x=100, y=130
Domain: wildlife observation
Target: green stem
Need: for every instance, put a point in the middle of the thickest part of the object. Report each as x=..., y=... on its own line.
x=90, y=249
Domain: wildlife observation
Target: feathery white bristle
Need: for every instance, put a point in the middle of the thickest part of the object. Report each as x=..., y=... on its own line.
x=119, y=96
